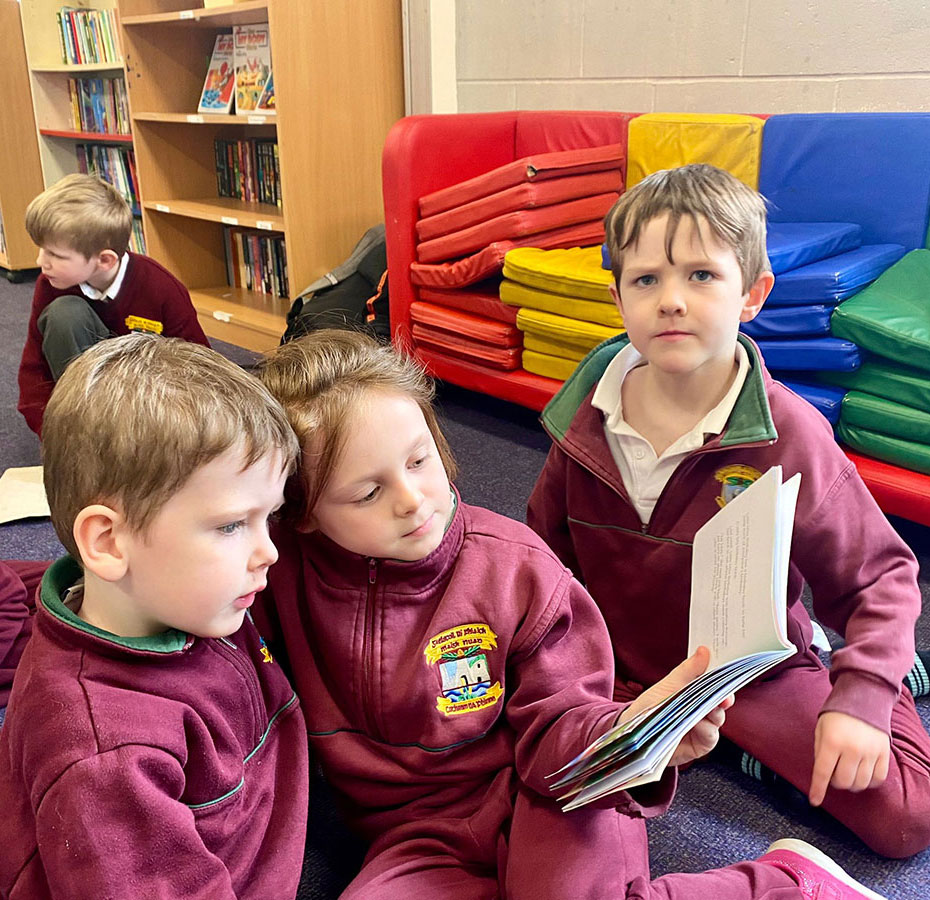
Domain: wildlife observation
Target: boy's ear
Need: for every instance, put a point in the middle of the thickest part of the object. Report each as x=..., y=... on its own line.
x=98, y=532
x=615, y=296
x=107, y=259
x=756, y=296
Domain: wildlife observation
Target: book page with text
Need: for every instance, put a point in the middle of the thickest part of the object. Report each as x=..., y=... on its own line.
x=739, y=572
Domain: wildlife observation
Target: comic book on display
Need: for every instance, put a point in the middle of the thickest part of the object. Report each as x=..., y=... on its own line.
x=254, y=79
x=218, y=86
x=739, y=579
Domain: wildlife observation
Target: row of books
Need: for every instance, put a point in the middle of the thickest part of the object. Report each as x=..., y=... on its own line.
x=256, y=261
x=137, y=239
x=2, y=238
x=88, y=36
x=116, y=165
x=248, y=170
x=100, y=105
x=240, y=74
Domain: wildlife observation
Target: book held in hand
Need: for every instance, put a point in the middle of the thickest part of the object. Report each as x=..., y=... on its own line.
x=739, y=578
x=218, y=86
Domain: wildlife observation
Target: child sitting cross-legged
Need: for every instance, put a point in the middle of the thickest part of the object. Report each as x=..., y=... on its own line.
x=659, y=428
x=152, y=747
x=447, y=663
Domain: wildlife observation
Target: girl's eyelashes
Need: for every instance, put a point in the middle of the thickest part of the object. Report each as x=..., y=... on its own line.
x=369, y=496
x=231, y=527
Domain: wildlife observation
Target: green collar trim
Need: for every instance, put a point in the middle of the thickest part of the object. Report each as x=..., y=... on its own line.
x=61, y=575
x=750, y=421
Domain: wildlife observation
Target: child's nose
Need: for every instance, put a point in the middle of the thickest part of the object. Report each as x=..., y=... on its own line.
x=409, y=498
x=672, y=299
x=265, y=553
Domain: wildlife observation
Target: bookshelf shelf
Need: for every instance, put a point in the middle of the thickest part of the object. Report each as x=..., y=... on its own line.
x=338, y=72
x=83, y=69
x=95, y=136
x=225, y=210
x=186, y=118
x=20, y=169
x=252, y=13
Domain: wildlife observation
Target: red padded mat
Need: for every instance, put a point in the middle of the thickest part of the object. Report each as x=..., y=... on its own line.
x=448, y=344
x=480, y=299
x=490, y=260
x=515, y=224
x=464, y=324
x=536, y=167
x=523, y=196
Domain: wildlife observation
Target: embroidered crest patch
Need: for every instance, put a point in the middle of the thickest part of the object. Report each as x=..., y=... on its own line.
x=464, y=672
x=138, y=323
x=734, y=480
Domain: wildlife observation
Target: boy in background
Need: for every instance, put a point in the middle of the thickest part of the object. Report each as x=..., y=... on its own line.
x=152, y=747
x=659, y=428
x=91, y=286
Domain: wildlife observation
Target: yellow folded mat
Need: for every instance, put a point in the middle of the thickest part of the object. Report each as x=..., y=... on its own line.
x=552, y=348
x=668, y=140
x=575, y=272
x=514, y=294
x=560, y=335
x=550, y=366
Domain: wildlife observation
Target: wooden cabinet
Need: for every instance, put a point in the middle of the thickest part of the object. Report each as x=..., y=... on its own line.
x=20, y=172
x=338, y=70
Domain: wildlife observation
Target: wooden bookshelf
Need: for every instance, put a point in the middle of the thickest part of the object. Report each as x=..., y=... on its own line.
x=20, y=169
x=338, y=69
x=54, y=128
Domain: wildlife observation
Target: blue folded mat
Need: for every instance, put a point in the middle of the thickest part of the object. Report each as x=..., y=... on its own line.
x=813, y=354
x=825, y=399
x=791, y=245
x=789, y=321
x=835, y=278
x=868, y=168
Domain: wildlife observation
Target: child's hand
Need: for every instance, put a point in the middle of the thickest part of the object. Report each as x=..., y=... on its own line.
x=701, y=739
x=849, y=754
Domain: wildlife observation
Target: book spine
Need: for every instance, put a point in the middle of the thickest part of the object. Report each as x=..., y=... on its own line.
x=61, y=38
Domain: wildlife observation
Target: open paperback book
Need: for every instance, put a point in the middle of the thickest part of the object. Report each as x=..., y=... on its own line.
x=739, y=578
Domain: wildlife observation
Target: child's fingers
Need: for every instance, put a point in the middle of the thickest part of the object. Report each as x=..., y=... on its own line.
x=825, y=760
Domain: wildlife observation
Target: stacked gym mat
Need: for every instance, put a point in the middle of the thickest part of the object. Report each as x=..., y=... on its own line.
x=555, y=199
x=564, y=308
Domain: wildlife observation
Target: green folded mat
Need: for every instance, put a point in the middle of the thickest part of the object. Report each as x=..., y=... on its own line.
x=884, y=416
x=906, y=454
x=887, y=379
x=891, y=317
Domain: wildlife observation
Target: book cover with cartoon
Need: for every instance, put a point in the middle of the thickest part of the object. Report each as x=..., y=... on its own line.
x=217, y=93
x=252, y=56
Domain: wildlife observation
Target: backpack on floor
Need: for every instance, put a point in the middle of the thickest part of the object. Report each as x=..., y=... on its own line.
x=353, y=295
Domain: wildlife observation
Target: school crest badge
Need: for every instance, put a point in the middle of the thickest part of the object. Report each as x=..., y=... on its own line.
x=734, y=480
x=461, y=653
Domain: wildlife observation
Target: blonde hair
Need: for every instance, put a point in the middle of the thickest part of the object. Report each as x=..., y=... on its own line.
x=734, y=212
x=320, y=380
x=134, y=416
x=82, y=213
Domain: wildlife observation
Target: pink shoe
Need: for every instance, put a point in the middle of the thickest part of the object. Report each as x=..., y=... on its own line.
x=819, y=877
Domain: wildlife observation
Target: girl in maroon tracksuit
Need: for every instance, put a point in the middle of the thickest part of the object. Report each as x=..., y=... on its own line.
x=447, y=663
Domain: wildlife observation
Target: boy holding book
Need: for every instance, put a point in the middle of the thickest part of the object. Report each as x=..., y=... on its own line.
x=152, y=746
x=91, y=286
x=659, y=428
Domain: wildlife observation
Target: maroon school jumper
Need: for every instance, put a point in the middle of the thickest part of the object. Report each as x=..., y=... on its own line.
x=862, y=576
x=168, y=766
x=440, y=693
x=149, y=291
x=18, y=582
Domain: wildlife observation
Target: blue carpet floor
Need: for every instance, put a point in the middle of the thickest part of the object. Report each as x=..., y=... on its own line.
x=719, y=816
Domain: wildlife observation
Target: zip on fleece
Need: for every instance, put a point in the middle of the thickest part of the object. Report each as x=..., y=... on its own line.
x=368, y=648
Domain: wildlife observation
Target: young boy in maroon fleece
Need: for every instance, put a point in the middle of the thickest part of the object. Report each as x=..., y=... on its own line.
x=152, y=747
x=91, y=287
x=448, y=664
x=657, y=429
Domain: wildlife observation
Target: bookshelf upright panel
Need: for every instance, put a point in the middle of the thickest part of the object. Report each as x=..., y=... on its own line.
x=20, y=170
x=338, y=73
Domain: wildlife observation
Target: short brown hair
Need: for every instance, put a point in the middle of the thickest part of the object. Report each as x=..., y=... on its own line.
x=82, y=213
x=320, y=379
x=734, y=212
x=134, y=416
